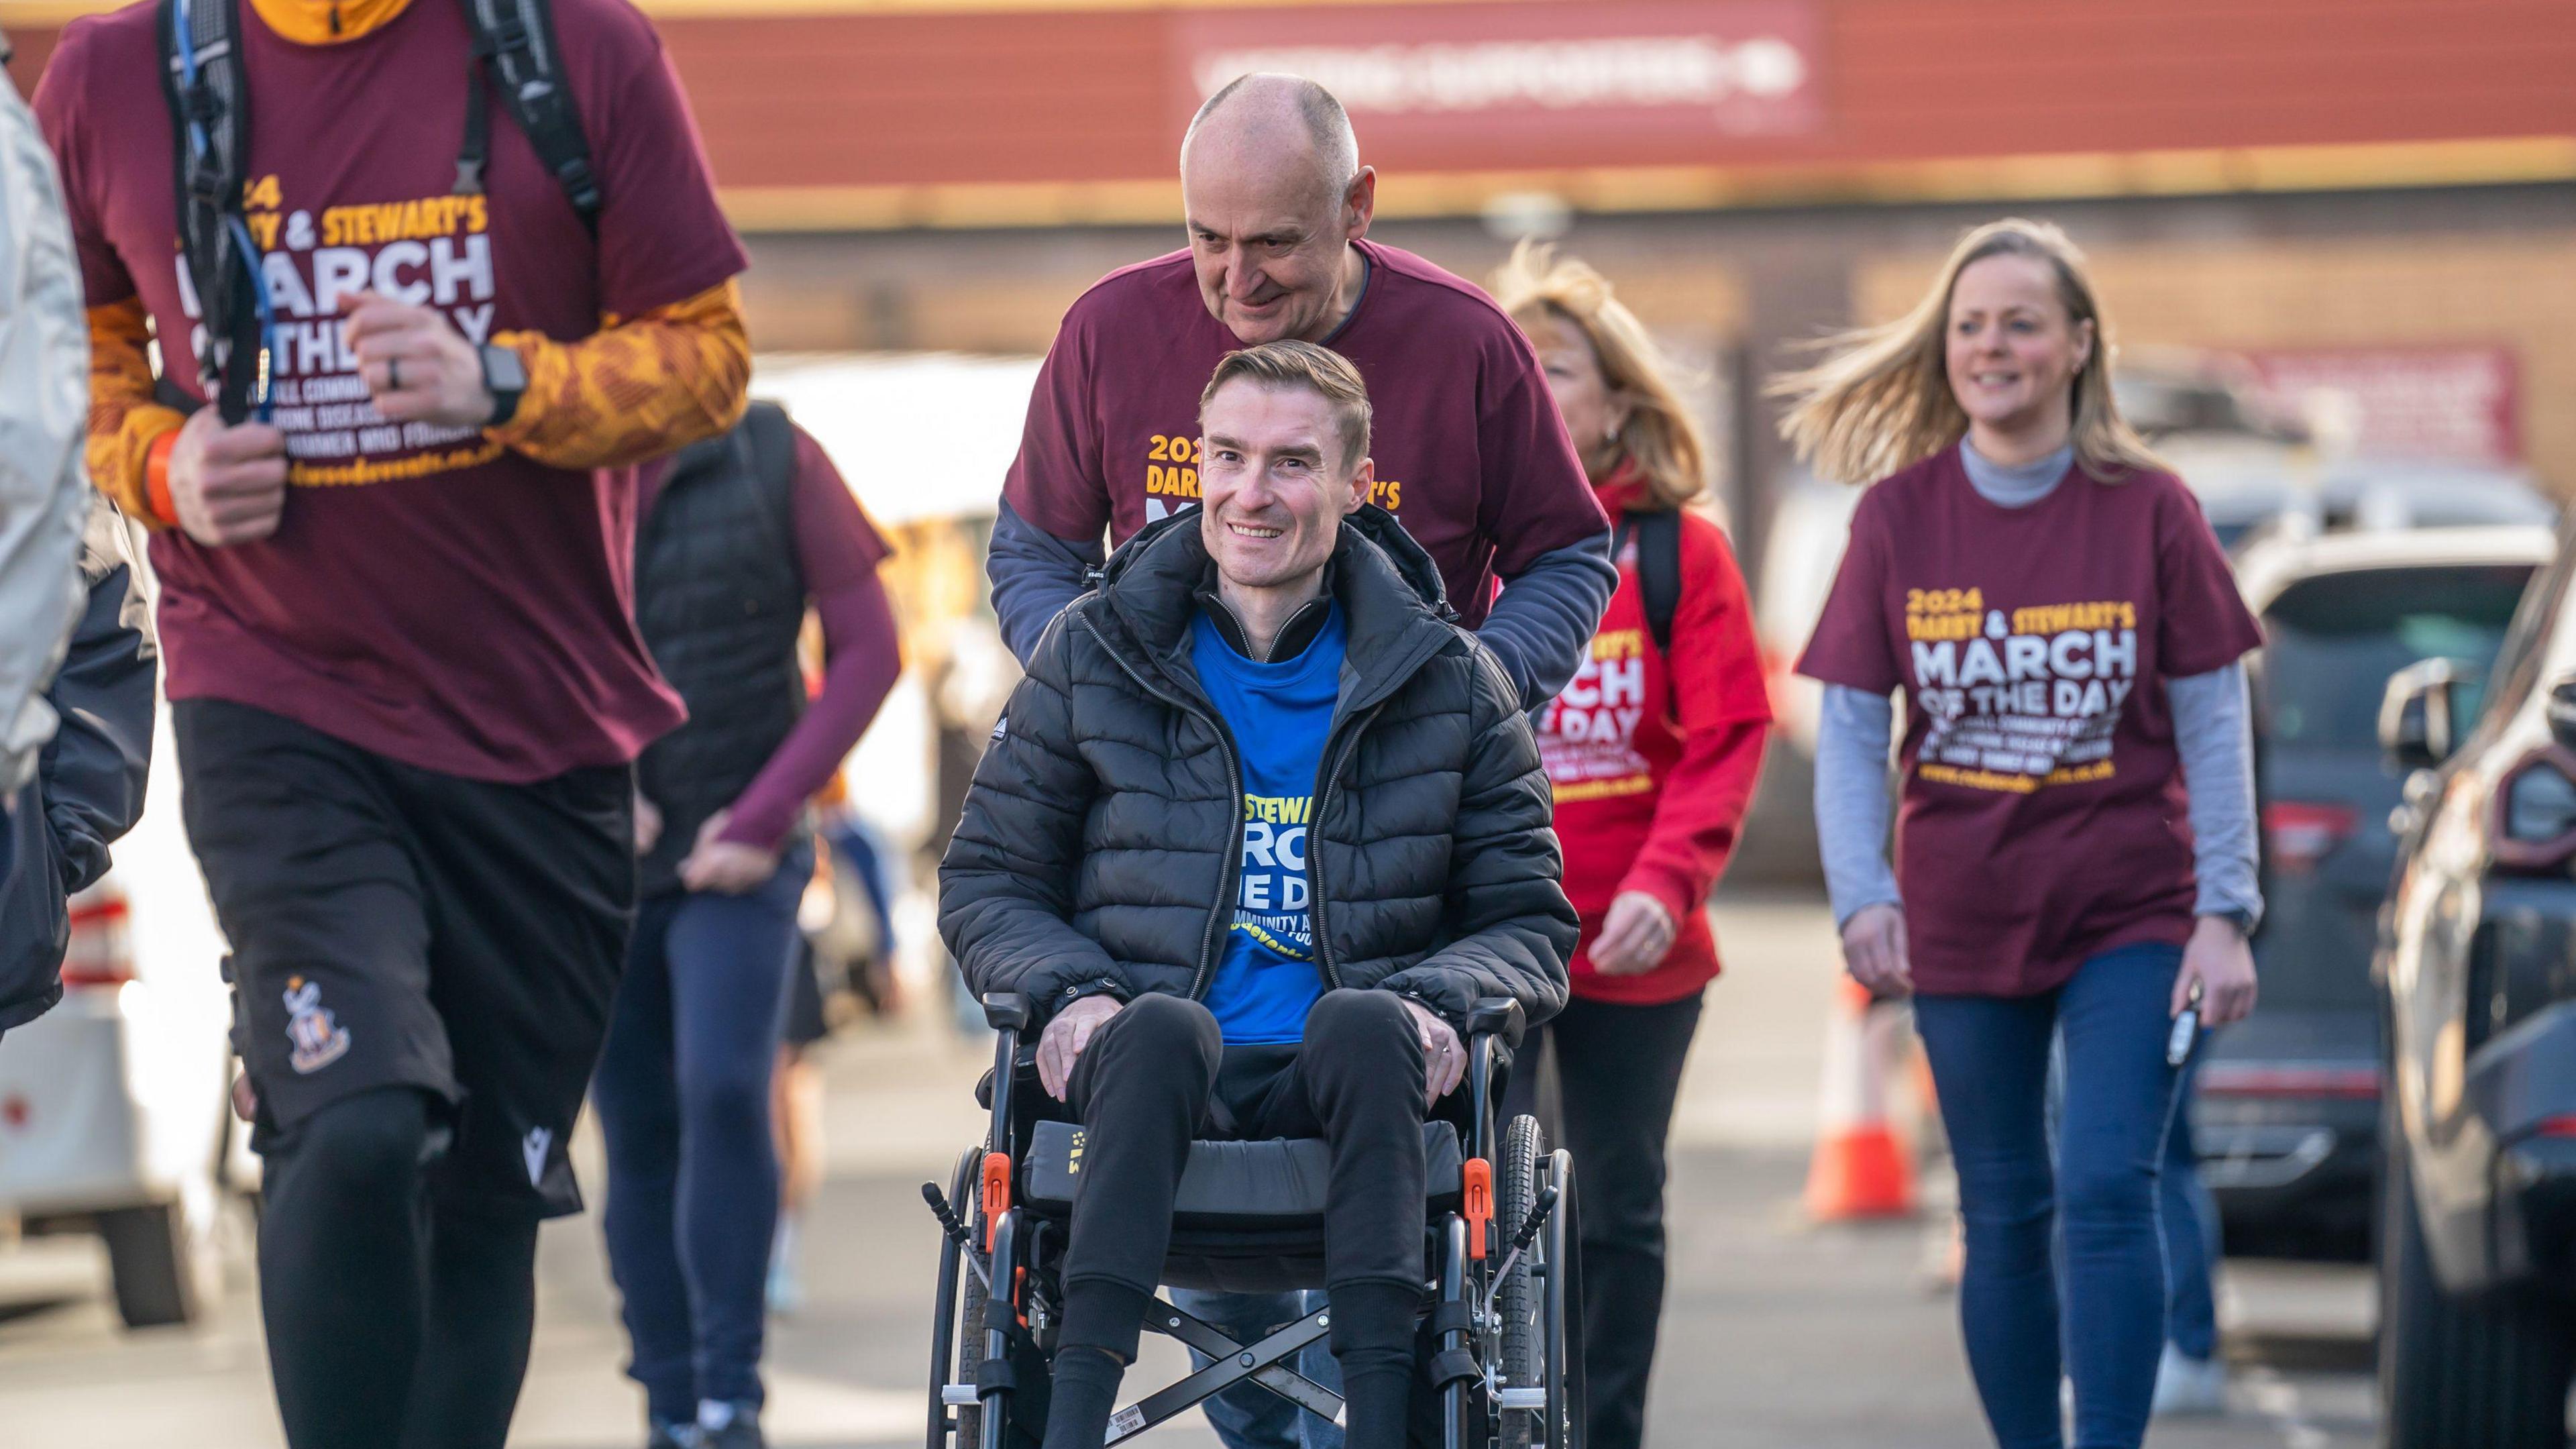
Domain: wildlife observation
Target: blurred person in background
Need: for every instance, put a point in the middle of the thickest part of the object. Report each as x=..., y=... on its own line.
x=1652, y=752
x=2069, y=638
x=738, y=537
x=90, y=776
x=846, y=951
x=44, y=357
x=1471, y=456
x=394, y=555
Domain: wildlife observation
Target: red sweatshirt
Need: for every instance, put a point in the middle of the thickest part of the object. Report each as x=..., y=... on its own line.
x=1654, y=760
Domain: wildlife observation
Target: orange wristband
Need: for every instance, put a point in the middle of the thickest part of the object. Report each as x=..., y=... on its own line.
x=156, y=477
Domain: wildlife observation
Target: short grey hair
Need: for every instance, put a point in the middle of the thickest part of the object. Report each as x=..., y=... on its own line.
x=1327, y=125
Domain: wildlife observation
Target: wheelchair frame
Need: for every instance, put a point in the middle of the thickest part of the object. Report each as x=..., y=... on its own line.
x=999, y=1242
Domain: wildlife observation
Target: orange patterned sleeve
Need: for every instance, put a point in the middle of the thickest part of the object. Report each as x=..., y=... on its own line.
x=124, y=421
x=633, y=390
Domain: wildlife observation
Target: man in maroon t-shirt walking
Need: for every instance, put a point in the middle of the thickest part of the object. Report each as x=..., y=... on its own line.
x=396, y=617
x=1472, y=457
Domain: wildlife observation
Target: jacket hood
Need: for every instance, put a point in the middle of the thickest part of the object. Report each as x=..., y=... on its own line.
x=1388, y=587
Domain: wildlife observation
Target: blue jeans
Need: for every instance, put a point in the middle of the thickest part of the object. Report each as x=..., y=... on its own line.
x=683, y=1097
x=1249, y=1416
x=1989, y=1058
x=2189, y=1213
x=2191, y=1232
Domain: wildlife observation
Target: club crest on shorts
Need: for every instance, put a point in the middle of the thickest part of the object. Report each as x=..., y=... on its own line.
x=318, y=1036
x=533, y=1149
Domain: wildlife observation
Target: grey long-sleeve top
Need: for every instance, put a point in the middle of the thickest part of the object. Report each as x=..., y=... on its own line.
x=2213, y=734
x=44, y=411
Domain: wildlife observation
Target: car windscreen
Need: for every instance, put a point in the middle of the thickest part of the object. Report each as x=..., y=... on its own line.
x=2333, y=640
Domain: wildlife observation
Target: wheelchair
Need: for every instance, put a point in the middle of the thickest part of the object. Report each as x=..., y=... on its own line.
x=1499, y=1355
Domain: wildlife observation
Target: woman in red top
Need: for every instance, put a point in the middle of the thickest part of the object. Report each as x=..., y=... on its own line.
x=1653, y=754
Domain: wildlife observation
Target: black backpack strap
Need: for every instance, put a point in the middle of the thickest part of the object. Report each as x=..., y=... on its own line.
x=773, y=460
x=203, y=79
x=515, y=39
x=1658, y=535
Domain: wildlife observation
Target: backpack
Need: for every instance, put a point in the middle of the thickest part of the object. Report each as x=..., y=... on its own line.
x=204, y=81
x=1658, y=535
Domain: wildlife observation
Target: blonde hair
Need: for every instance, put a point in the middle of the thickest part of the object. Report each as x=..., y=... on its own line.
x=1881, y=398
x=1320, y=370
x=1659, y=435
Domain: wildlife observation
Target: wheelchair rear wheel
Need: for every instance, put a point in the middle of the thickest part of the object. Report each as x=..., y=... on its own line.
x=1518, y=1301
x=970, y=1352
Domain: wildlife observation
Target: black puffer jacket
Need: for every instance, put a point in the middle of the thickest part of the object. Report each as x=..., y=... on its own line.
x=1100, y=843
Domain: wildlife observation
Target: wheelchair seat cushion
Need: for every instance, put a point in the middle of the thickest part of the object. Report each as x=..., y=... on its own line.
x=1240, y=1185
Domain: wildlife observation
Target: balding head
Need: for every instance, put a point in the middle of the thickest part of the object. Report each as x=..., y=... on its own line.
x=1274, y=193
x=1275, y=124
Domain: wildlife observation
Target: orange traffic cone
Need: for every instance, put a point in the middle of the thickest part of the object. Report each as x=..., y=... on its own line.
x=1861, y=1169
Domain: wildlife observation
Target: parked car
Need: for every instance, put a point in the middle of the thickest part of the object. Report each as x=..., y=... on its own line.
x=113, y=1105
x=2286, y=1117
x=2249, y=498
x=2476, y=967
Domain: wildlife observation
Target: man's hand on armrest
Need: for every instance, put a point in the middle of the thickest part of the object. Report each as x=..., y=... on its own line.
x=1444, y=1061
x=1071, y=1030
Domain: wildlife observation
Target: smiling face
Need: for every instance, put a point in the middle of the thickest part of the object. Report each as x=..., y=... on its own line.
x=1274, y=485
x=1270, y=235
x=2013, y=351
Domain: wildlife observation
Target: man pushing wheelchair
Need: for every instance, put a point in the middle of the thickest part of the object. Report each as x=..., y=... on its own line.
x=1260, y=836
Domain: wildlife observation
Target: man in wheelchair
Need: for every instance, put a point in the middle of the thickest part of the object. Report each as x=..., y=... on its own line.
x=1254, y=838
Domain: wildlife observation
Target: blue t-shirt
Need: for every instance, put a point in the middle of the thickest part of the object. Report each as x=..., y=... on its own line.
x=1279, y=713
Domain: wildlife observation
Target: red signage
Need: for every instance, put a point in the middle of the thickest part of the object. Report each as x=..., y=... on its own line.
x=1530, y=80
x=2449, y=403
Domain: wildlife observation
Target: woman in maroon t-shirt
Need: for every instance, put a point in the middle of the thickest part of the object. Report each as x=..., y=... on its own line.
x=2042, y=590
x=1653, y=757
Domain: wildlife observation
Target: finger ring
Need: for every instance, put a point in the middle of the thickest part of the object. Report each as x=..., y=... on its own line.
x=393, y=374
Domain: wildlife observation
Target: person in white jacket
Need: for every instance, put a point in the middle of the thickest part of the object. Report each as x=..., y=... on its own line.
x=44, y=407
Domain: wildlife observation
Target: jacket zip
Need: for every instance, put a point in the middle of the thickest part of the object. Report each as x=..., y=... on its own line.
x=1224, y=907
x=1315, y=846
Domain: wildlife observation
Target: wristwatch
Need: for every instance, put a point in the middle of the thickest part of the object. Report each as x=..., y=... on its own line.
x=506, y=378
x=2241, y=918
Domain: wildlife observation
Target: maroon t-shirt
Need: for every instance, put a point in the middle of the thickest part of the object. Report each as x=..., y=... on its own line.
x=428, y=595
x=2043, y=820
x=1471, y=455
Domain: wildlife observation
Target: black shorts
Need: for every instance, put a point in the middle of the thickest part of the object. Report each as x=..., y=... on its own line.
x=393, y=926
x=806, y=1024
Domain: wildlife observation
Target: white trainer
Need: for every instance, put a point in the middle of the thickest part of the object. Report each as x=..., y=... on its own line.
x=2189, y=1386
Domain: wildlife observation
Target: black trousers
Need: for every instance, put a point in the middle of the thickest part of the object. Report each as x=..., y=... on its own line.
x=1143, y=1090
x=1618, y=1069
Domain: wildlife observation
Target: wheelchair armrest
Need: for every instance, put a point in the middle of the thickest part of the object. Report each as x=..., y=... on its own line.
x=1006, y=1011
x=1498, y=1016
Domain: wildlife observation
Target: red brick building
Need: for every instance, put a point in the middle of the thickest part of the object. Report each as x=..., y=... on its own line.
x=2301, y=178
